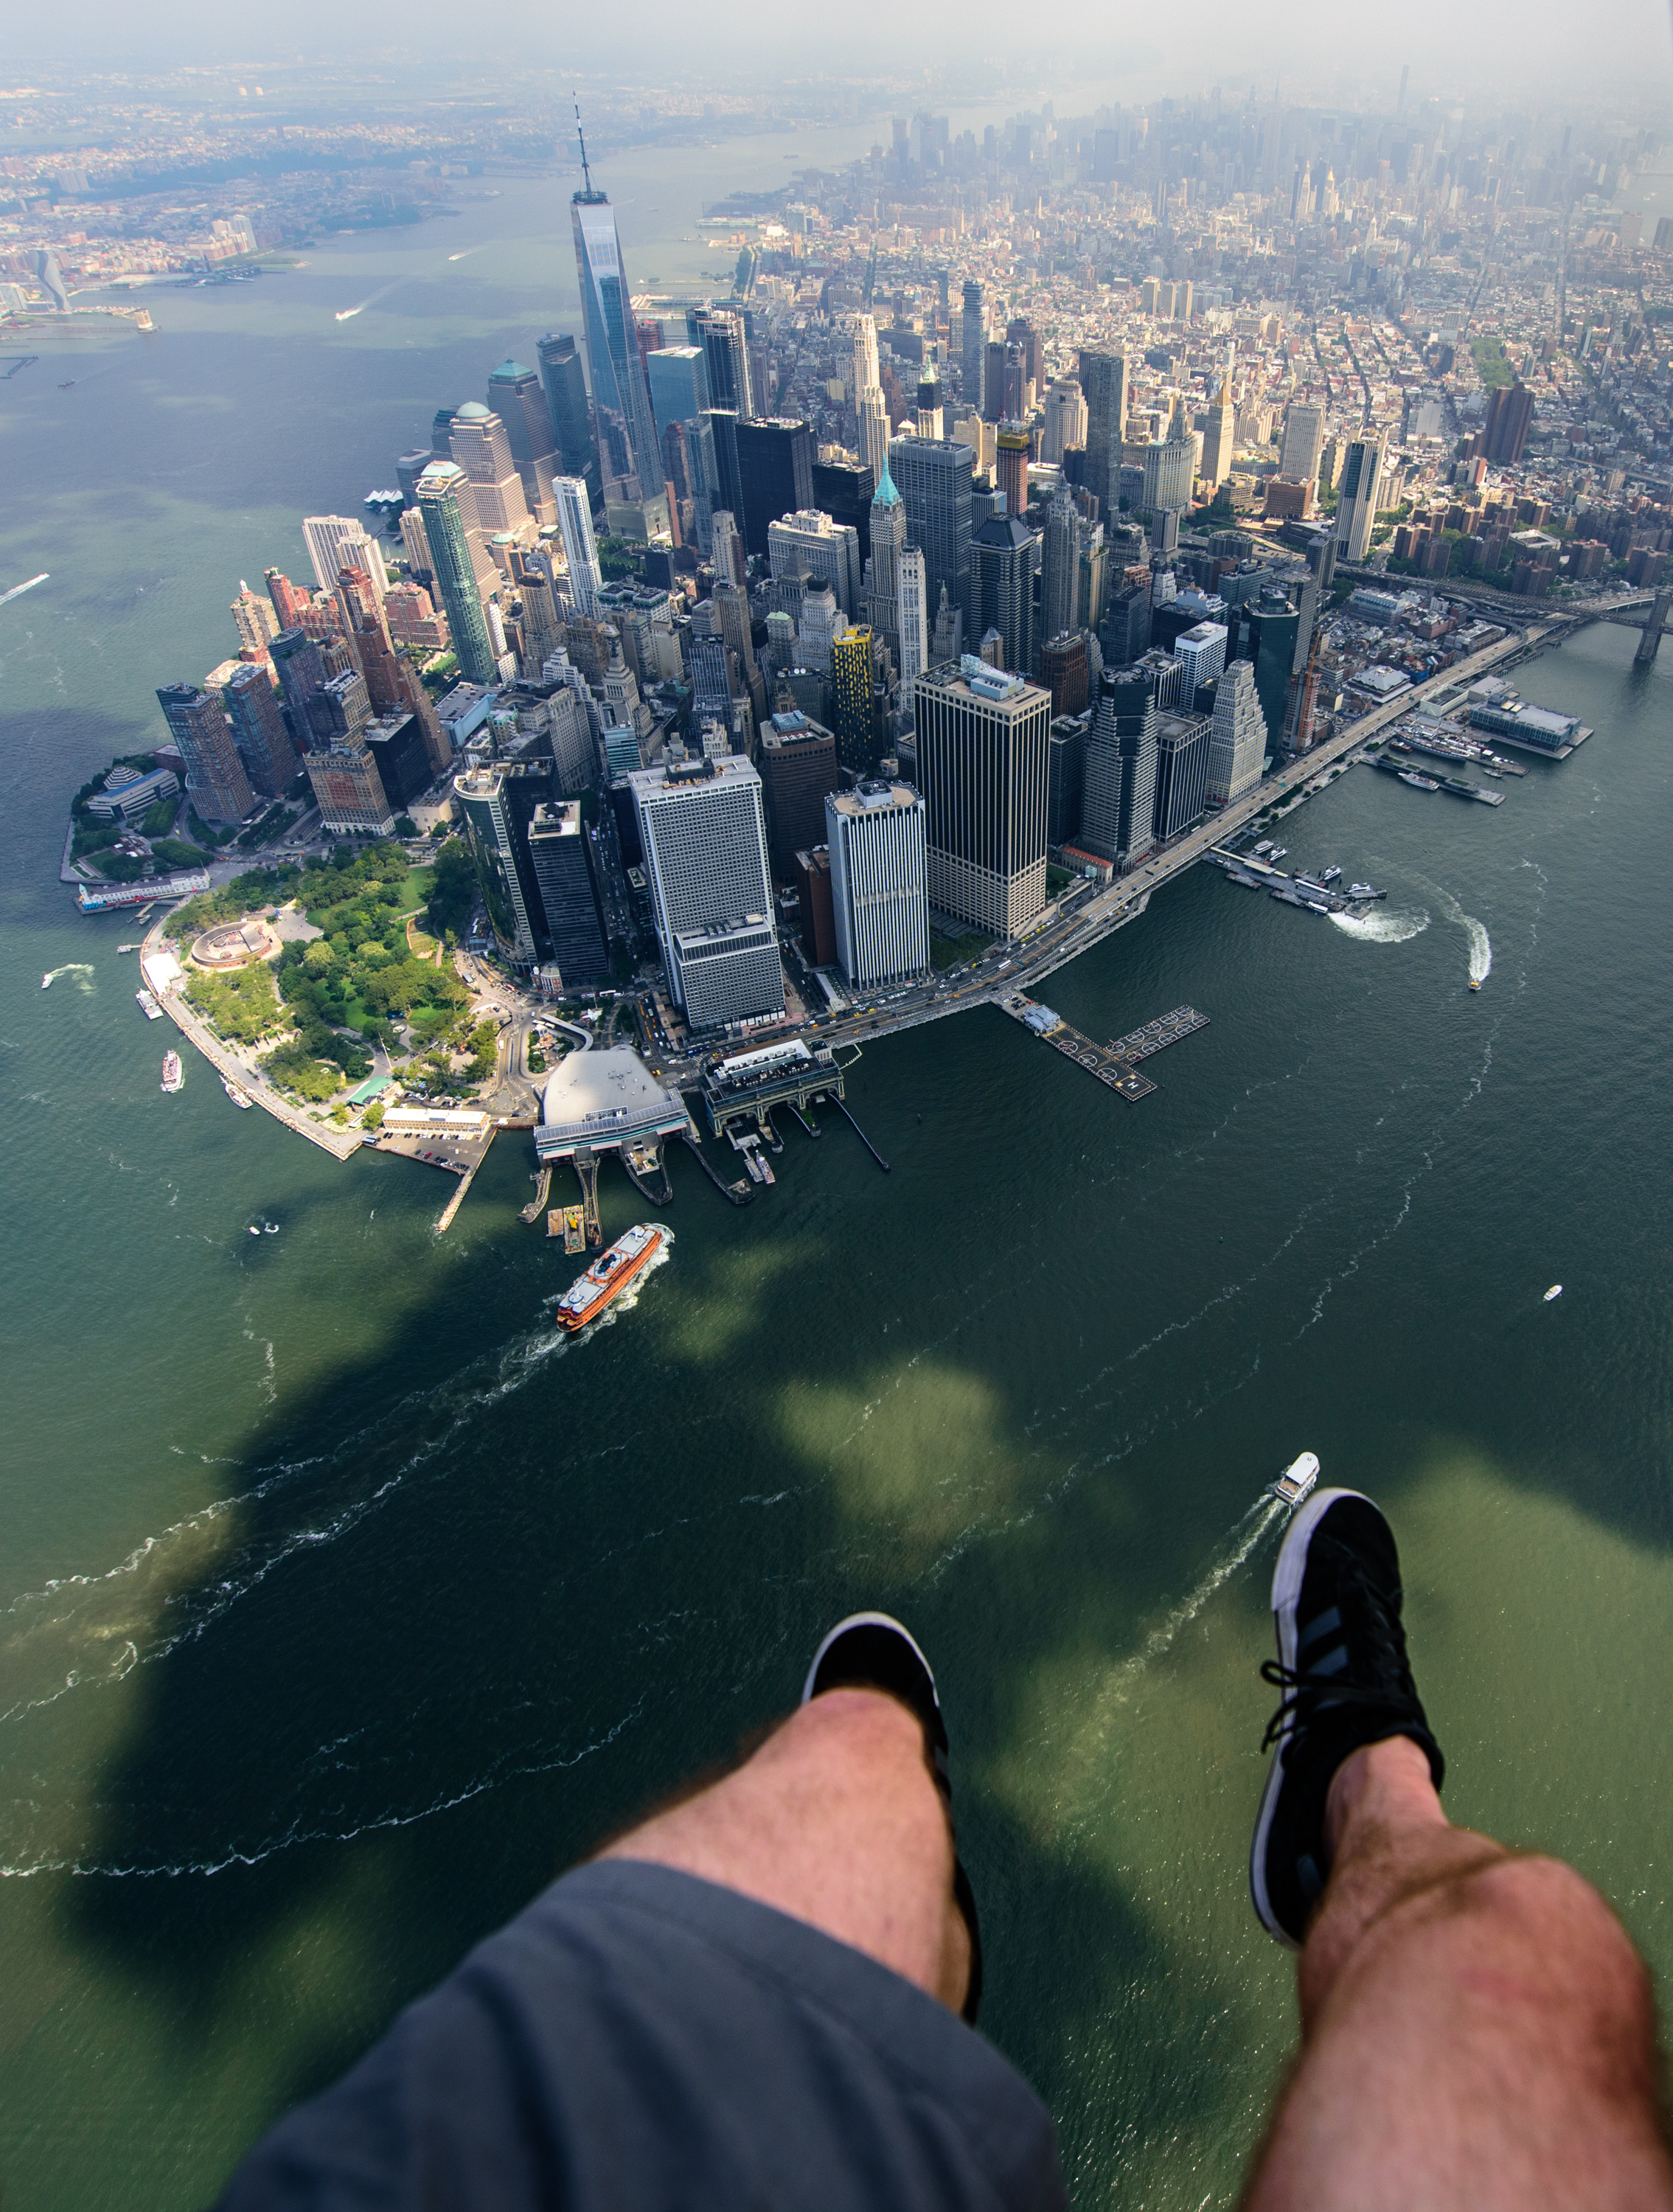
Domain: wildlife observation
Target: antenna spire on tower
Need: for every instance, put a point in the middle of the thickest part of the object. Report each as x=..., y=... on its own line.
x=585, y=173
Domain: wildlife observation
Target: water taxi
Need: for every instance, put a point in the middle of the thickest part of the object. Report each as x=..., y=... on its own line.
x=1296, y=1479
x=609, y=1275
x=174, y=1075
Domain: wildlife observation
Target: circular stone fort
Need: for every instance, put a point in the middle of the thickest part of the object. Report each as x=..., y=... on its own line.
x=234, y=944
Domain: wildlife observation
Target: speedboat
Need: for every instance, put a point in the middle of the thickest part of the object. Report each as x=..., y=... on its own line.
x=1296, y=1479
x=46, y=980
x=1555, y=1291
x=1360, y=890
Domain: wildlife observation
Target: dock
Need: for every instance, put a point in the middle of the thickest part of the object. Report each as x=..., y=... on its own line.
x=537, y=1205
x=1114, y=1064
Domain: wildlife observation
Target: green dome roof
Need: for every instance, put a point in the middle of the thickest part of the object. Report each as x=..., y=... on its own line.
x=510, y=370
x=471, y=411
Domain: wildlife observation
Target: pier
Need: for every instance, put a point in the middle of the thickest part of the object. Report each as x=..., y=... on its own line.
x=748, y=1085
x=1114, y=1064
x=740, y=1194
x=537, y=1205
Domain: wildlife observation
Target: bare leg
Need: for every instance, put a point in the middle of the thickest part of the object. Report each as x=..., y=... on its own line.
x=836, y=1820
x=1477, y=2032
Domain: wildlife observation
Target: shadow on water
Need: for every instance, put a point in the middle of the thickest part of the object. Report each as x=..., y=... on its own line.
x=479, y=1624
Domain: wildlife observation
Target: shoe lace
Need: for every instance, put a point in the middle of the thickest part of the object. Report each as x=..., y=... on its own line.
x=1372, y=1630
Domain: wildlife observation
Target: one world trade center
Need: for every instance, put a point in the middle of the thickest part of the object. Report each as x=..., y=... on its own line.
x=612, y=344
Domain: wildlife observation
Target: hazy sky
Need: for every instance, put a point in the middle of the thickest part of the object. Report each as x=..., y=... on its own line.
x=1608, y=53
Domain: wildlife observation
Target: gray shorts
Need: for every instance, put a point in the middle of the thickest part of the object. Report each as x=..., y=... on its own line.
x=639, y=2039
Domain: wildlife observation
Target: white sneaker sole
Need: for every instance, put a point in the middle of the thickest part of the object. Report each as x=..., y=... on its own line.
x=868, y=1620
x=1286, y=1579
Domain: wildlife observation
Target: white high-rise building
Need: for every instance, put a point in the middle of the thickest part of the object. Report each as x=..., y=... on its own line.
x=1065, y=420
x=705, y=833
x=1356, y=510
x=866, y=377
x=873, y=419
x=1200, y=652
x=809, y=543
x=1304, y=443
x=1238, y=739
x=912, y=618
x=727, y=554
x=334, y=542
x=879, y=881
x=580, y=547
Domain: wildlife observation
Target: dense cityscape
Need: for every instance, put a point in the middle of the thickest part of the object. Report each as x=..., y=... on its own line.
x=811, y=654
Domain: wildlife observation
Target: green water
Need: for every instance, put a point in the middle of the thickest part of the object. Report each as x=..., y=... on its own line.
x=344, y=1601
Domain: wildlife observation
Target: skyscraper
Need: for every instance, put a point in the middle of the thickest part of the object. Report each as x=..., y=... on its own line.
x=612, y=344
x=727, y=557
x=1202, y=649
x=455, y=576
x=255, y=618
x=1220, y=432
x=871, y=415
x=1004, y=557
x=719, y=437
x=1065, y=420
x=498, y=801
x=1356, y=510
x=888, y=539
x=561, y=857
x=1238, y=743
x=215, y=781
x=982, y=741
x=798, y=768
x=334, y=542
x=851, y=689
x=678, y=386
x=1510, y=413
x=1060, y=568
x=1104, y=379
x=703, y=831
x=912, y=619
x=811, y=543
x=1303, y=441
x=1181, y=774
x=562, y=373
x=975, y=340
x=719, y=334
x=879, y=881
x=1119, y=788
x=935, y=476
x=1271, y=632
x=1170, y=467
x=348, y=789
x=580, y=547
x=515, y=396
x=775, y=476
x=259, y=731
x=1013, y=444
x=865, y=354
x=482, y=448
x=301, y=672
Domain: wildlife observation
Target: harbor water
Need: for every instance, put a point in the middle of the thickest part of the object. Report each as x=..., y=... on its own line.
x=345, y=1599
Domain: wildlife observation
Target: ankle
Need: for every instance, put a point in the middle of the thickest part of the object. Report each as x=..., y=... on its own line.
x=1382, y=1785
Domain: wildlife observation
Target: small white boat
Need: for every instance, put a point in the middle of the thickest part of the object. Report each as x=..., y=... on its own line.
x=239, y=1098
x=174, y=1075
x=1296, y=1479
x=148, y=1006
x=1555, y=1291
x=46, y=982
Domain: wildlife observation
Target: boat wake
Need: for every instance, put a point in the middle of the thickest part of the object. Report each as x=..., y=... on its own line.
x=1383, y=927
x=348, y=314
x=1480, y=946
x=1235, y=1552
x=81, y=970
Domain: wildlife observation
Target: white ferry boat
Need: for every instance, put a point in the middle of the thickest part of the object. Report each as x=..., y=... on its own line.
x=148, y=1006
x=174, y=1075
x=1296, y=1479
x=239, y=1098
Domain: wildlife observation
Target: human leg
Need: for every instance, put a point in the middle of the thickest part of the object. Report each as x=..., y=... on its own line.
x=840, y=1819
x=1477, y=2030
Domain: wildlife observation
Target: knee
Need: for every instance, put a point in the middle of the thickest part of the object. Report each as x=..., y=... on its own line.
x=866, y=1731
x=1564, y=1933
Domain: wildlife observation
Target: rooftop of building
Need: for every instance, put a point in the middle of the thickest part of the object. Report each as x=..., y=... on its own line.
x=872, y=794
x=606, y=1091
x=976, y=680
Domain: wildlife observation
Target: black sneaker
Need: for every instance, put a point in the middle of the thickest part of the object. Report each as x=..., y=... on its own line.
x=872, y=1651
x=1342, y=1665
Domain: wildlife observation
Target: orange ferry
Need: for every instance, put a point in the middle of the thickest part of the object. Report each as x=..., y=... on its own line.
x=610, y=1274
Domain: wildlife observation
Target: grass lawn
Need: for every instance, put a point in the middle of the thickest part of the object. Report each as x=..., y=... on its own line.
x=949, y=951
x=1058, y=880
x=1491, y=365
x=415, y=891
x=417, y=942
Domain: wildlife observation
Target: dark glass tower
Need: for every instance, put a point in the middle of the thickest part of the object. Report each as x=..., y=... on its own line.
x=775, y=476
x=561, y=856
x=612, y=343
x=561, y=374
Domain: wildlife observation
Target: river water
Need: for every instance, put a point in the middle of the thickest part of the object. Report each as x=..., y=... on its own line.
x=343, y=1601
